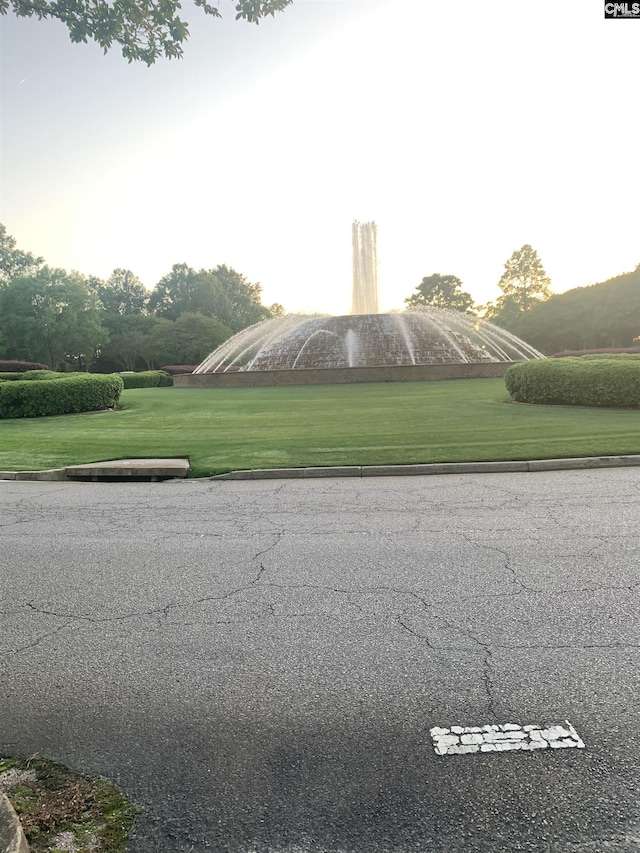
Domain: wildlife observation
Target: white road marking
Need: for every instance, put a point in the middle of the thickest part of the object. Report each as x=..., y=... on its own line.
x=461, y=740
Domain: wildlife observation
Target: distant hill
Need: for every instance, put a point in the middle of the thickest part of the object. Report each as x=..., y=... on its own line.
x=600, y=315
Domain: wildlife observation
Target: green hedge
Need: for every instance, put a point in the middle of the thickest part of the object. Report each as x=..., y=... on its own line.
x=146, y=379
x=75, y=392
x=611, y=382
x=9, y=376
x=602, y=351
x=43, y=374
x=625, y=356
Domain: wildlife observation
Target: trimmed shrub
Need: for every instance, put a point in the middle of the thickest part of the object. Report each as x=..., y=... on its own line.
x=576, y=382
x=582, y=352
x=146, y=379
x=611, y=356
x=75, y=392
x=9, y=376
x=43, y=374
x=14, y=366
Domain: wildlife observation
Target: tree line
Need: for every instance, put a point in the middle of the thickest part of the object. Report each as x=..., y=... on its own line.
x=71, y=321
x=598, y=316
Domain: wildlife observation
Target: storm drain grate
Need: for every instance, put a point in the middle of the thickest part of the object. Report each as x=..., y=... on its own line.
x=462, y=740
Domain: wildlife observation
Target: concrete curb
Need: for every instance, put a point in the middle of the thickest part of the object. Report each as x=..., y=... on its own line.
x=12, y=838
x=50, y=475
x=534, y=465
x=155, y=469
x=126, y=469
x=150, y=469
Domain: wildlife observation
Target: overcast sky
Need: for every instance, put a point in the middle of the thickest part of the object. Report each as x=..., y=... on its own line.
x=463, y=129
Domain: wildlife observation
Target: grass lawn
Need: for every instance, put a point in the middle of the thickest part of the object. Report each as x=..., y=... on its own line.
x=369, y=424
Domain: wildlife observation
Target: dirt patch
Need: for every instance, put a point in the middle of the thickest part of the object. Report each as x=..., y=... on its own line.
x=64, y=811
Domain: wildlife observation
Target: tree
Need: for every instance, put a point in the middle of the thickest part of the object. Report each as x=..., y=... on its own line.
x=523, y=282
x=185, y=291
x=122, y=293
x=187, y=340
x=243, y=298
x=145, y=30
x=14, y=262
x=441, y=291
x=604, y=315
x=126, y=347
x=505, y=312
x=49, y=316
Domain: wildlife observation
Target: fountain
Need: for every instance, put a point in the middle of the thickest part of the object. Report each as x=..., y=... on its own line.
x=420, y=343
x=365, y=268
x=423, y=336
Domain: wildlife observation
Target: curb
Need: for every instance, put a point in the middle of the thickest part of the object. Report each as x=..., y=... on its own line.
x=123, y=469
x=534, y=465
x=12, y=838
x=50, y=475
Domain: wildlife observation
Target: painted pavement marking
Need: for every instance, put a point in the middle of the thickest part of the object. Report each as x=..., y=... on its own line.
x=461, y=740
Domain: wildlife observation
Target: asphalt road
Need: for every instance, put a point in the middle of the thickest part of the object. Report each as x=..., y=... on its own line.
x=259, y=664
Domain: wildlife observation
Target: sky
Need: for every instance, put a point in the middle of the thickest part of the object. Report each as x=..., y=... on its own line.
x=464, y=130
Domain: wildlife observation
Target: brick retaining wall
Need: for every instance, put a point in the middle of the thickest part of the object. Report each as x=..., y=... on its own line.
x=342, y=375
